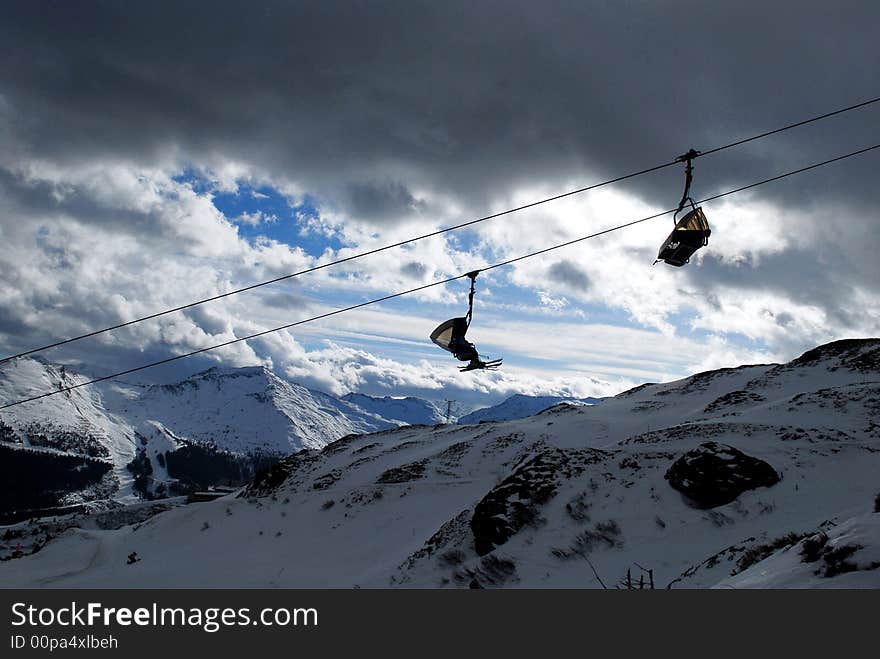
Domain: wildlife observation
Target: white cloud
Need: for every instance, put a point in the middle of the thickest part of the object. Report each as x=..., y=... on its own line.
x=118, y=242
x=553, y=303
x=256, y=218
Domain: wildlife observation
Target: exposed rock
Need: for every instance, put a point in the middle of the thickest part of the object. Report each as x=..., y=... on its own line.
x=291, y=471
x=714, y=474
x=733, y=399
x=861, y=355
x=404, y=473
x=701, y=381
x=856, y=355
x=444, y=545
x=689, y=430
x=340, y=444
x=635, y=390
x=514, y=503
x=326, y=480
x=490, y=571
x=605, y=534
x=836, y=558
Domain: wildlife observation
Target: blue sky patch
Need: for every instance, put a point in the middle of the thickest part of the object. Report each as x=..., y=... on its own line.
x=264, y=212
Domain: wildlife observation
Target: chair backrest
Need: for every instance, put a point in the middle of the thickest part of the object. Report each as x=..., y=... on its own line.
x=449, y=332
x=690, y=233
x=695, y=220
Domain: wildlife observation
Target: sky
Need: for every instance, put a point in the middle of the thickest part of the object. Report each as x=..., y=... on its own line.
x=153, y=154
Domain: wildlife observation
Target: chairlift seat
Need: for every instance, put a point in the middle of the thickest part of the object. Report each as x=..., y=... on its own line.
x=450, y=334
x=690, y=233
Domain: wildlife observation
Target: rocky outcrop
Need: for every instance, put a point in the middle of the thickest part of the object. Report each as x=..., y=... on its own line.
x=733, y=399
x=862, y=355
x=404, y=473
x=515, y=502
x=714, y=474
x=291, y=471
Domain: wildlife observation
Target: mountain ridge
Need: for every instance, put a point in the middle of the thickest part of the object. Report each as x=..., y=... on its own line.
x=519, y=406
x=165, y=438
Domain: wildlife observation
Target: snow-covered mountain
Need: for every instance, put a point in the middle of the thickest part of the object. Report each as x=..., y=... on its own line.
x=61, y=450
x=520, y=406
x=218, y=426
x=243, y=410
x=754, y=476
x=222, y=424
x=409, y=411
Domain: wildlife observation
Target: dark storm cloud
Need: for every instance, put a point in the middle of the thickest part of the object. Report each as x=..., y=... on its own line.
x=384, y=109
x=569, y=274
x=821, y=277
x=10, y=322
x=377, y=201
x=41, y=199
x=414, y=270
x=470, y=98
x=288, y=301
x=784, y=319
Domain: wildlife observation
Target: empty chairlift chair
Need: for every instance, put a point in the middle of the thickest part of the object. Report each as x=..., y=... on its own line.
x=692, y=231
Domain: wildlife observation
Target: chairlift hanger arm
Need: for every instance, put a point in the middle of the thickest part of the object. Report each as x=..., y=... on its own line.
x=473, y=277
x=687, y=158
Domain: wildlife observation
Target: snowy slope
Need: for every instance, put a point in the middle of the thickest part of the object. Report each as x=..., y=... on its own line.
x=74, y=422
x=520, y=406
x=408, y=410
x=572, y=497
x=845, y=555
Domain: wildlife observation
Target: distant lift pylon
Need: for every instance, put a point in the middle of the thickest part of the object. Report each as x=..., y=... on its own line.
x=450, y=335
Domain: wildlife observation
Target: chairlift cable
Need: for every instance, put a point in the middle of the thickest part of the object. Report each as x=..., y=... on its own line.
x=432, y=284
x=790, y=126
x=428, y=235
x=672, y=210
